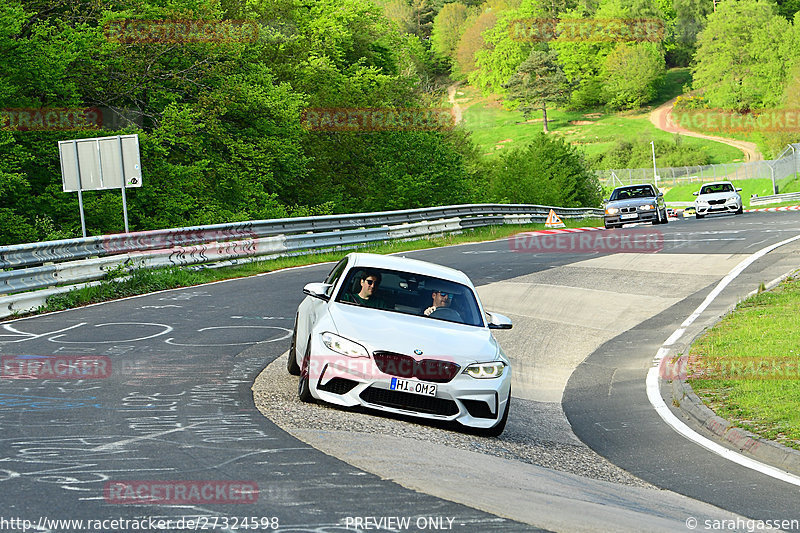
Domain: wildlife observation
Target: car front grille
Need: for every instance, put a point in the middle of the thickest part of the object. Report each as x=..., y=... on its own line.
x=405, y=366
x=627, y=209
x=410, y=402
x=716, y=202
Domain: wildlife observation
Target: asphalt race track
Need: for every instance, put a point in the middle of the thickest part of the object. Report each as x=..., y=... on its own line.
x=173, y=409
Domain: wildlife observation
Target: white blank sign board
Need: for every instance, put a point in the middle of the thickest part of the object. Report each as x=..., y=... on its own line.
x=100, y=163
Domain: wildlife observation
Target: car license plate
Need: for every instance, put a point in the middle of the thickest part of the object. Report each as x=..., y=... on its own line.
x=628, y=216
x=414, y=387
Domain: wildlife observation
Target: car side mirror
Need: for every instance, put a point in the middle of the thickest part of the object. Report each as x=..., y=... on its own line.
x=738, y=189
x=318, y=290
x=696, y=193
x=660, y=195
x=498, y=321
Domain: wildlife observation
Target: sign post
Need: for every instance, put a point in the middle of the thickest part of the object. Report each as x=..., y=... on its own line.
x=100, y=163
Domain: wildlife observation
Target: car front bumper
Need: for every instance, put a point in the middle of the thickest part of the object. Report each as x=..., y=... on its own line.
x=641, y=216
x=719, y=208
x=476, y=403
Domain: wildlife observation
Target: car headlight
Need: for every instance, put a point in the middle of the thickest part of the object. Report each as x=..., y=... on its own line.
x=702, y=202
x=647, y=207
x=612, y=211
x=733, y=199
x=343, y=346
x=491, y=370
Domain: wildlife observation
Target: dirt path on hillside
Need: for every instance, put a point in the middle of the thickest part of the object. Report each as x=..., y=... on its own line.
x=662, y=119
x=451, y=97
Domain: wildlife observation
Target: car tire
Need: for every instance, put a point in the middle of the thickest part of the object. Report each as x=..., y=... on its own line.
x=303, y=387
x=740, y=210
x=698, y=216
x=665, y=218
x=498, y=428
x=291, y=364
x=610, y=226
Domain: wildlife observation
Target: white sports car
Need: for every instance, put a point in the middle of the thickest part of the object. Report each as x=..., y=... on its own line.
x=403, y=336
x=718, y=197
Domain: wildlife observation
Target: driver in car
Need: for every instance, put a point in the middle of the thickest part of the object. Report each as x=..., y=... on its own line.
x=440, y=299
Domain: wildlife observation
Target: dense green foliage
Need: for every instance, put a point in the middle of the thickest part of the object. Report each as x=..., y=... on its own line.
x=221, y=121
x=639, y=154
x=548, y=171
x=745, y=54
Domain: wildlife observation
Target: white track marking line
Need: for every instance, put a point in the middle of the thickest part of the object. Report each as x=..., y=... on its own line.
x=653, y=382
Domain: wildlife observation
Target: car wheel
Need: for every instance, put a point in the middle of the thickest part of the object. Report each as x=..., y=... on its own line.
x=498, y=428
x=303, y=388
x=665, y=218
x=609, y=226
x=740, y=210
x=291, y=364
x=698, y=215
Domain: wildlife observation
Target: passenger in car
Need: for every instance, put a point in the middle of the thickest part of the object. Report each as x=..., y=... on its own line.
x=369, y=282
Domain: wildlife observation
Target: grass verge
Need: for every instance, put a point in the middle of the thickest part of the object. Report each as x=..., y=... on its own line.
x=122, y=283
x=747, y=367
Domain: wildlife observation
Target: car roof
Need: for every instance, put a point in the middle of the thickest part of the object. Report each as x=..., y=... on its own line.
x=716, y=183
x=634, y=185
x=393, y=262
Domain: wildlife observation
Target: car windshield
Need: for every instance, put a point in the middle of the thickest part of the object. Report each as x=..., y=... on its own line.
x=410, y=294
x=625, y=193
x=717, y=187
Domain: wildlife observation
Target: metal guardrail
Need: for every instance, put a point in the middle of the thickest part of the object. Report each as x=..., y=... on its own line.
x=775, y=198
x=54, y=264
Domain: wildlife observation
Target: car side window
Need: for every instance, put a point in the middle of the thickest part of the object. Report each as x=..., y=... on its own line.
x=335, y=274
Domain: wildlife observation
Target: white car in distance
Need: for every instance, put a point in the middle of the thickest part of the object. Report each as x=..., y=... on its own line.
x=402, y=336
x=718, y=197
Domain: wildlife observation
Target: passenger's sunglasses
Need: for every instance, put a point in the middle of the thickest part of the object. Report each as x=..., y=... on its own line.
x=446, y=294
x=371, y=281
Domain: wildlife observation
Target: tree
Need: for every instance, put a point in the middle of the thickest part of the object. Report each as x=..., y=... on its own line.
x=632, y=74
x=507, y=47
x=447, y=29
x=423, y=14
x=472, y=41
x=539, y=81
x=548, y=171
x=743, y=56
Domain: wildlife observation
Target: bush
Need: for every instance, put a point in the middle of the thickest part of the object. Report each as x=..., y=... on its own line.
x=639, y=154
x=548, y=171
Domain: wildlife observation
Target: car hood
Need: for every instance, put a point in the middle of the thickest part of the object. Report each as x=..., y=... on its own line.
x=399, y=333
x=631, y=202
x=717, y=196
